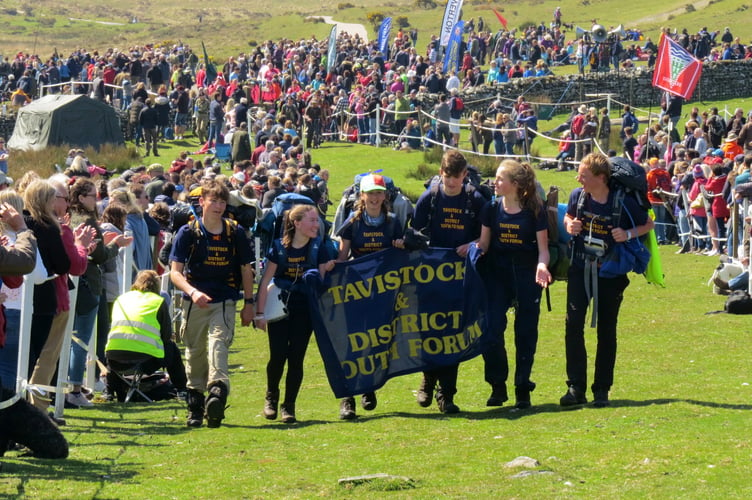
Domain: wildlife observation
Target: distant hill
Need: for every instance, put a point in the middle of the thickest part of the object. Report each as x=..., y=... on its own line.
x=232, y=27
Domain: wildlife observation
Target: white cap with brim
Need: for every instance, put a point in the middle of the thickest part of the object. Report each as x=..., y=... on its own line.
x=372, y=182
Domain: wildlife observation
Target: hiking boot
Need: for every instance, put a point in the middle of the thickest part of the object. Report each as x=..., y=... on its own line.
x=425, y=391
x=498, y=395
x=522, y=395
x=573, y=397
x=368, y=401
x=287, y=412
x=600, y=399
x=446, y=404
x=347, y=409
x=195, y=402
x=270, y=405
x=720, y=283
x=215, y=405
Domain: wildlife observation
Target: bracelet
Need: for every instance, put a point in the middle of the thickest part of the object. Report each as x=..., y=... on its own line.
x=249, y=301
x=192, y=292
x=629, y=235
x=258, y=316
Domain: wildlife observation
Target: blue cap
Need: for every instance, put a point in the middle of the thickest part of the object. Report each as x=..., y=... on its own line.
x=718, y=152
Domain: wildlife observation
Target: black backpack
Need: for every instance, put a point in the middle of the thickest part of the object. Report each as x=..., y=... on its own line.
x=628, y=179
x=739, y=302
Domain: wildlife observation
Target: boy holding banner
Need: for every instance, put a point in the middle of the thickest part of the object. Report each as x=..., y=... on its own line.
x=449, y=213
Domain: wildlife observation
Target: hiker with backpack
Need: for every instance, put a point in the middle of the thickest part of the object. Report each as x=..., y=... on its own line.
x=599, y=216
x=371, y=227
x=449, y=213
x=299, y=249
x=514, y=239
x=211, y=262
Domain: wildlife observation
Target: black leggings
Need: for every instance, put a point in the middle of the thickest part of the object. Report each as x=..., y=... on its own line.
x=288, y=342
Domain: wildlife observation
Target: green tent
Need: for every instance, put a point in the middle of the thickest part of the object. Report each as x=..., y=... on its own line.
x=76, y=120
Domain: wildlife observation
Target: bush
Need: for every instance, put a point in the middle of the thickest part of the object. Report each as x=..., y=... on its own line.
x=47, y=22
x=252, y=43
x=425, y=4
x=346, y=5
x=375, y=18
x=689, y=8
x=423, y=171
x=402, y=21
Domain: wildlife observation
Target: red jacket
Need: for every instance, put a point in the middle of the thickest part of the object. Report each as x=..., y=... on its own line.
x=79, y=260
x=719, y=207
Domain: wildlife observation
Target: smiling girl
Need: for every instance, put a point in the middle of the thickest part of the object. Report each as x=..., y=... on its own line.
x=514, y=235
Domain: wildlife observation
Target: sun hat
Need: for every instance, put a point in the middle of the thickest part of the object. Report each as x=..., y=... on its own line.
x=372, y=182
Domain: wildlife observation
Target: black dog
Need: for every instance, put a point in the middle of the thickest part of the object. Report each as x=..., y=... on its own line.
x=25, y=424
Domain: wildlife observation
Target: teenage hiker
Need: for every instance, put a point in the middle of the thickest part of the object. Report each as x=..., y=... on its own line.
x=448, y=212
x=211, y=264
x=370, y=228
x=514, y=236
x=594, y=232
x=298, y=250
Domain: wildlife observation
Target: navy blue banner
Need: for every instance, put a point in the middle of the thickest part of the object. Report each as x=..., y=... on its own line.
x=384, y=32
x=453, y=58
x=396, y=312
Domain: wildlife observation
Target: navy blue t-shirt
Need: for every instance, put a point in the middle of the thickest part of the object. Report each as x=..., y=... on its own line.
x=514, y=236
x=455, y=219
x=597, y=224
x=365, y=239
x=297, y=262
x=217, y=274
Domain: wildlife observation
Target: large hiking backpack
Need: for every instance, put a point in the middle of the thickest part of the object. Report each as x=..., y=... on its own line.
x=628, y=179
x=271, y=224
x=558, y=239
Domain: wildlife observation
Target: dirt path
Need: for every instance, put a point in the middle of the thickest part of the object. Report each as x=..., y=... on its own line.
x=352, y=29
x=664, y=16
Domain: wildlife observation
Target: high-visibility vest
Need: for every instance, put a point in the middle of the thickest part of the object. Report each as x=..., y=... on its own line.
x=134, y=324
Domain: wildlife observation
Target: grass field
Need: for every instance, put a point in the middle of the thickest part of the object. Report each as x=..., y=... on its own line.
x=678, y=427
x=227, y=28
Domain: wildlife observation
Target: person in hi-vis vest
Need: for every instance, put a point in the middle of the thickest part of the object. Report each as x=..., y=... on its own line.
x=141, y=332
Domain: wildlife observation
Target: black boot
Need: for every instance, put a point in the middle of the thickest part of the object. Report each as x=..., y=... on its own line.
x=270, y=404
x=347, y=409
x=195, y=401
x=522, y=395
x=368, y=401
x=288, y=413
x=445, y=402
x=425, y=391
x=215, y=404
x=498, y=395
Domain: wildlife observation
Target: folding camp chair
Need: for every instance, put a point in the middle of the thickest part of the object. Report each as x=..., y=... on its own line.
x=223, y=154
x=130, y=376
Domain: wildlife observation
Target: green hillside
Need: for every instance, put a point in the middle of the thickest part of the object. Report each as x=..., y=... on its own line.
x=232, y=27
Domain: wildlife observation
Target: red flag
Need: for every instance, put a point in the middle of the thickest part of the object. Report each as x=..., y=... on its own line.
x=500, y=18
x=676, y=70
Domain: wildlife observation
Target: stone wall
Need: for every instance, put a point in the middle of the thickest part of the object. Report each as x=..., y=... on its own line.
x=719, y=81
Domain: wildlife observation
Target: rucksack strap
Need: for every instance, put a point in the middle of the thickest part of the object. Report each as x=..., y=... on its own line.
x=591, y=287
